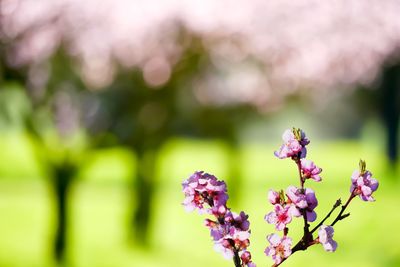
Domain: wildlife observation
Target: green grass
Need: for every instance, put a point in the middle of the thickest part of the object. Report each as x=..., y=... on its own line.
x=100, y=204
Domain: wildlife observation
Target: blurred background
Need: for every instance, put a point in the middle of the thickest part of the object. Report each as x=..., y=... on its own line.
x=107, y=106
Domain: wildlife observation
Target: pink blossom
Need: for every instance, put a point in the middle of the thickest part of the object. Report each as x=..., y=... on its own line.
x=304, y=200
x=281, y=216
x=239, y=221
x=325, y=234
x=274, y=197
x=225, y=248
x=310, y=170
x=291, y=146
x=246, y=259
x=279, y=248
x=203, y=188
x=216, y=230
x=363, y=185
x=228, y=244
x=233, y=226
x=219, y=210
x=230, y=233
x=296, y=197
x=294, y=145
x=312, y=203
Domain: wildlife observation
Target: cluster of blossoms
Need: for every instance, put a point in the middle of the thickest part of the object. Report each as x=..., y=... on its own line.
x=301, y=201
x=298, y=201
x=294, y=145
x=229, y=231
x=362, y=183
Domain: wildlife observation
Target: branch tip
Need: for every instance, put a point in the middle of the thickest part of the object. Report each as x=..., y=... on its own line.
x=344, y=216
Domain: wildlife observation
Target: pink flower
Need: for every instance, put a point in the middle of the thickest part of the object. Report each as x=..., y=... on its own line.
x=310, y=170
x=312, y=203
x=219, y=210
x=325, y=234
x=294, y=145
x=239, y=221
x=274, y=197
x=303, y=200
x=363, y=185
x=230, y=233
x=246, y=259
x=230, y=243
x=296, y=197
x=203, y=188
x=279, y=248
x=216, y=230
x=281, y=216
x=237, y=229
x=233, y=227
x=225, y=248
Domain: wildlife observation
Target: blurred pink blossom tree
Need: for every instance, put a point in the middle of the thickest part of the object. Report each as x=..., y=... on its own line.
x=261, y=52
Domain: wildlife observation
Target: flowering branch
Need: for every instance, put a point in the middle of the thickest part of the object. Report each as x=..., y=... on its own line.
x=302, y=201
x=306, y=236
x=230, y=231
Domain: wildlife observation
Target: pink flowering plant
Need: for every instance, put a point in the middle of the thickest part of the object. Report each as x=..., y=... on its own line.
x=230, y=231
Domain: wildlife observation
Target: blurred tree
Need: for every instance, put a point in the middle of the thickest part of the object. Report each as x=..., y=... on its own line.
x=49, y=120
x=140, y=112
x=143, y=118
x=382, y=99
x=55, y=124
x=61, y=170
x=312, y=47
x=390, y=109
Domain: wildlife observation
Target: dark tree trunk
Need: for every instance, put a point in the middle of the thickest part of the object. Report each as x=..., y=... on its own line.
x=391, y=110
x=144, y=191
x=62, y=180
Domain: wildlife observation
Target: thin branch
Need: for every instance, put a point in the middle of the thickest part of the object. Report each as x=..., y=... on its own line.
x=340, y=215
x=236, y=259
x=298, y=163
x=337, y=204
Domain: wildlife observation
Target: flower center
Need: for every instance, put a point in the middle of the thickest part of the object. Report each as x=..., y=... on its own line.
x=280, y=251
x=282, y=217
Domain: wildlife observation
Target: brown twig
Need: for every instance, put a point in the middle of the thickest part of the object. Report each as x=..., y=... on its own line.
x=340, y=215
x=337, y=204
x=236, y=259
